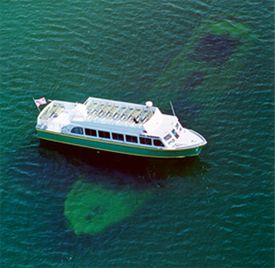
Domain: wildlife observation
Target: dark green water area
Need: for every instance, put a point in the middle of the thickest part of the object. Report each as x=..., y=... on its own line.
x=73, y=208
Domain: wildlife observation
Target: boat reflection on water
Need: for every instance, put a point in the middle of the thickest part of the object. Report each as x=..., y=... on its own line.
x=139, y=170
x=112, y=188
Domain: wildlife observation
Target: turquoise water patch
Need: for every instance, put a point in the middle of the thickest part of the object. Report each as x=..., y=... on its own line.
x=91, y=208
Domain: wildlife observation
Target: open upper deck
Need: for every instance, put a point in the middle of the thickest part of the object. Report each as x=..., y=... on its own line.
x=93, y=111
x=118, y=112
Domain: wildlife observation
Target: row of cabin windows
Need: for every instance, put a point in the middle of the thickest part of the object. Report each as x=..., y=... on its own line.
x=116, y=136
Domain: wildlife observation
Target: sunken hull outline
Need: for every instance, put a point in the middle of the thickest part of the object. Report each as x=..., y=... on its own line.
x=205, y=74
x=114, y=147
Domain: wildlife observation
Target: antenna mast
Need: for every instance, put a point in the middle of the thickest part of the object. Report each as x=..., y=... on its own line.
x=172, y=108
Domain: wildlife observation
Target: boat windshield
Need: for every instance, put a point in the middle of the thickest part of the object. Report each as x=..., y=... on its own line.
x=167, y=137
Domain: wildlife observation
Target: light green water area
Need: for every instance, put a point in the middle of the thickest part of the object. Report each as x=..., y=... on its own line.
x=90, y=208
x=73, y=208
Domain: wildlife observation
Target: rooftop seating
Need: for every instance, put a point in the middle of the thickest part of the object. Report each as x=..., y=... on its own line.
x=119, y=112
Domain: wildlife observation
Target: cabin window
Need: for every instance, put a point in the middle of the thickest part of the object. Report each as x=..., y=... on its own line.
x=168, y=137
x=90, y=132
x=145, y=141
x=117, y=136
x=77, y=130
x=158, y=143
x=177, y=126
x=175, y=133
x=104, y=134
x=132, y=139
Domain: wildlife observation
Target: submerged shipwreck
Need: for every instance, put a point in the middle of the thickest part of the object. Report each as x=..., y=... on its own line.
x=118, y=127
x=91, y=208
x=209, y=63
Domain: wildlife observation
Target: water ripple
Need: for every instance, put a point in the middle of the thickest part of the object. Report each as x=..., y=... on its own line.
x=218, y=212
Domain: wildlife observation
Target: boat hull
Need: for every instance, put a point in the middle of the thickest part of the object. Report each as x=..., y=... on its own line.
x=109, y=146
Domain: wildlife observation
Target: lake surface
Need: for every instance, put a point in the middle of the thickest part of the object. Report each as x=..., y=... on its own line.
x=213, y=60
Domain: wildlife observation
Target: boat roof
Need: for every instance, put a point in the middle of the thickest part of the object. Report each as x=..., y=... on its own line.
x=118, y=112
x=107, y=114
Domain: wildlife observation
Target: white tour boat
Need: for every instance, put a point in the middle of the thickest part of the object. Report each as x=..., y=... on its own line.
x=118, y=127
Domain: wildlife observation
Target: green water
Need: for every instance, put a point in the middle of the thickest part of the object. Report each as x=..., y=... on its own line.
x=214, y=60
x=91, y=209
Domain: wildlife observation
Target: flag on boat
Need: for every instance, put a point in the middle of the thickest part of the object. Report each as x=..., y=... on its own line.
x=40, y=101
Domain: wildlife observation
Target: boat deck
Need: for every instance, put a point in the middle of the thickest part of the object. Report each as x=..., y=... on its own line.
x=128, y=113
x=95, y=110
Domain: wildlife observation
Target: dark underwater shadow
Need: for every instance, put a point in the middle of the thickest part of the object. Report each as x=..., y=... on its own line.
x=130, y=182
x=136, y=169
